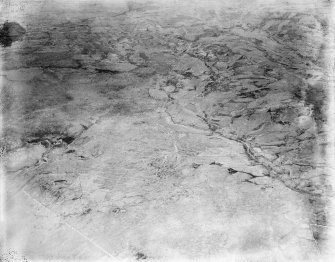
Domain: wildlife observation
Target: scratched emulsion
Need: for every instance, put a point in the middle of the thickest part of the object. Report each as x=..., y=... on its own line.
x=183, y=130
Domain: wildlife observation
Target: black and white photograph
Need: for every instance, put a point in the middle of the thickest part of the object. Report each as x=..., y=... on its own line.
x=167, y=130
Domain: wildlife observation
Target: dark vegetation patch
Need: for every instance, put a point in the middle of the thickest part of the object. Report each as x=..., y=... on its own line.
x=70, y=151
x=87, y=211
x=215, y=163
x=316, y=96
x=107, y=71
x=140, y=256
x=50, y=139
x=187, y=74
x=172, y=81
x=232, y=171
x=195, y=165
x=254, y=94
x=283, y=115
x=60, y=181
x=68, y=139
x=69, y=97
x=10, y=32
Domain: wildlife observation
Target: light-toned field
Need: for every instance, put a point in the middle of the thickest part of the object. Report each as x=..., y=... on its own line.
x=183, y=130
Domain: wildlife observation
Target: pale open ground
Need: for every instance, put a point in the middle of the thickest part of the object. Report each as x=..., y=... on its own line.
x=166, y=131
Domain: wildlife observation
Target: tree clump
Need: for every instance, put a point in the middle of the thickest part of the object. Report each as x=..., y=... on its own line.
x=10, y=32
